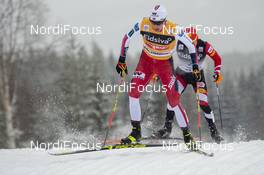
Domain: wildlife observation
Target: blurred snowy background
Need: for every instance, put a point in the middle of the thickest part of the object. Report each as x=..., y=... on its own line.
x=48, y=83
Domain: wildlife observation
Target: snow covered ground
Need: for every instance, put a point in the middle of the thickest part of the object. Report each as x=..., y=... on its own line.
x=243, y=158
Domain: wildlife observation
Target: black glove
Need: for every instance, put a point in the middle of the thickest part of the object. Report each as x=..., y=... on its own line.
x=121, y=66
x=196, y=73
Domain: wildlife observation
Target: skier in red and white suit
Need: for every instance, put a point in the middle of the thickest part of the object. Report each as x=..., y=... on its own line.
x=159, y=38
x=185, y=76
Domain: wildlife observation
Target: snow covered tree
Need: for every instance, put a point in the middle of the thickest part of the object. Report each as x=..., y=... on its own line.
x=87, y=108
x=99, y=103
x=229, y=107
x=15, y=19
x=251, y=103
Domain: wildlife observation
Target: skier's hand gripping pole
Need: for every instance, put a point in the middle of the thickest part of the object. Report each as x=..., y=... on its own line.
x=217, y=78
x=121, y=67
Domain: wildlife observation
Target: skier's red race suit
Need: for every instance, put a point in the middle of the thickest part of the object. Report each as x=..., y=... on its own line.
x=184, y=71
x=156, y=58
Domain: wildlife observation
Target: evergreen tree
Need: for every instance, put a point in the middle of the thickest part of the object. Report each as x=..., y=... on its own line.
x=87, y=108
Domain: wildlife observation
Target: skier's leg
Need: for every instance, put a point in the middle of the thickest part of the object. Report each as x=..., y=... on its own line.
x=140, y=78
x=183, y=122
x=203, y=98
x=166, y=130
x=209, y=116
x=168, y=79
x=166, y=73
x=134, y=109
x=208, y=113
x=182, y=84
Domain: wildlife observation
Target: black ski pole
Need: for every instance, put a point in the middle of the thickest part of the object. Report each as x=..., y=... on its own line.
x=219, y=105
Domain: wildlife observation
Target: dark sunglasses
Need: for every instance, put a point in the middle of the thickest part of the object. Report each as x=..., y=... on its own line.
x=156, y=22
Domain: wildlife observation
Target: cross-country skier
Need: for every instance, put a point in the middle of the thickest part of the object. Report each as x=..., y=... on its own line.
x=185, y=76
x=159, y=38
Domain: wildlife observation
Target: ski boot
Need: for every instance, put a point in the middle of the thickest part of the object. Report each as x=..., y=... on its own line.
x=134, y=136
x=188, y=139
x=215, y=134
x=163, y=132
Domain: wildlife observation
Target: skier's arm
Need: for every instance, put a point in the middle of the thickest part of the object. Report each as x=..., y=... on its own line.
x=183, y=37
x=126, y=39
x=121, y=66
x=212, y=53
